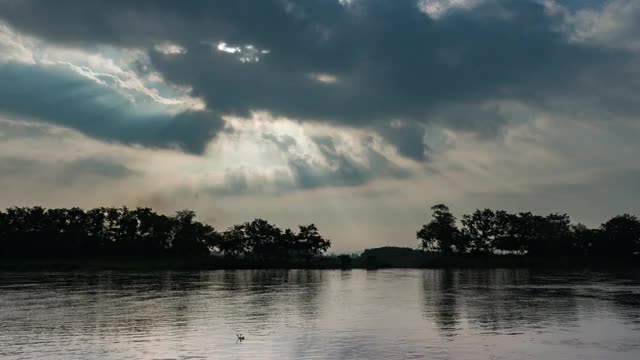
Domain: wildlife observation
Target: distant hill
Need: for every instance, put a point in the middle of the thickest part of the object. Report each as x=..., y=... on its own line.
x=393, y=256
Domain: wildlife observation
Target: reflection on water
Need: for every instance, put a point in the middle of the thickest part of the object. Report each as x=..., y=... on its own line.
x=386, y=314
x=496, y=301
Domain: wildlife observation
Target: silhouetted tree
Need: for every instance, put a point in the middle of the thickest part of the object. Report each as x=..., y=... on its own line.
x=263, y=238
x=97, y=241
x=190, y=237
x=441, y=233
x=234, y=241
x=481, y=229
x=505, y=241
x=154, y=232
x=548, y=236
x=487, y=232
x=29, y=232
x=289, y=244
x=583, y=239
x=309, y=241
x=619, y=237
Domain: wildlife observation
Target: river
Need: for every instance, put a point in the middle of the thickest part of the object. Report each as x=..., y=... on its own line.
x=321, y=314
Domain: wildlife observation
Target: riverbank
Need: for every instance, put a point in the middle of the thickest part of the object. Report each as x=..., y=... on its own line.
x=151, y=264
x=328, y=262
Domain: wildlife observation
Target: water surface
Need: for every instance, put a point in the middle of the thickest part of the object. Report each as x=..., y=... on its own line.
x=300, y=314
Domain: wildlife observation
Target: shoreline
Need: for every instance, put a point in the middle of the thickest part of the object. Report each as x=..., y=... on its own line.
x=324, y=263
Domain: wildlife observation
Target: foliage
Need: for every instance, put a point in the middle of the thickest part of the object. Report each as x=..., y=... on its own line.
x=481, y=230
x=39, y=232
x=441, y=234
x=494, y=232
x=263, y=240
x=620, y=236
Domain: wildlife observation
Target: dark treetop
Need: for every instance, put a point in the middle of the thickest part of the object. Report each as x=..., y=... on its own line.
x=39, y=232
x=498, y=238
x=499, y=232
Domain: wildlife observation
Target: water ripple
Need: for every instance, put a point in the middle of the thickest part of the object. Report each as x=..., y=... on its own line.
x=386, y=314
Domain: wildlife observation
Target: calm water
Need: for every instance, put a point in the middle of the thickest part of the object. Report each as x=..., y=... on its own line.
x=387, y=314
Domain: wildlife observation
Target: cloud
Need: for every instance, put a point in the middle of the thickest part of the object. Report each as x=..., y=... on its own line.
x=316, y=158
x=613, y=25
x=439, y=8
x=406, y=67
x=387, y=60
x=408, y=138
x=45, y=164
x=60, y=96
x=339, y=168
x=16, y=166
x=241, y=182
x=284, y=142
x=13, y=47
x=99, y=167
x=66, y=173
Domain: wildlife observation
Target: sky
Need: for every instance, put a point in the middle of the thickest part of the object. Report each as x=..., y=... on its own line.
x=355, y=115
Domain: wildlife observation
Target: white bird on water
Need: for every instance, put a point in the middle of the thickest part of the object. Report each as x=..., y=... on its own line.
x=240, y=338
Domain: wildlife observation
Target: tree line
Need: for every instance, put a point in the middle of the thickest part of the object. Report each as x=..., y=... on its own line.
x=500, y=232
x=141, y=232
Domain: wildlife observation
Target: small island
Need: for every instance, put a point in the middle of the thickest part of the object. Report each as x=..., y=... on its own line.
x=35, y=238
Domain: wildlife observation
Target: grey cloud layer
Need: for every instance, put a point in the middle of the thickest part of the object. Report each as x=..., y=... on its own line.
x=62, y=97
x=334, y=168
x=66, y=172
x=342, y=169
x=391, y=61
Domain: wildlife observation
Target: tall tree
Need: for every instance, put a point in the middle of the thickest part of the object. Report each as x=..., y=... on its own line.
x=583, y=239
x=506, y=240
x=311, y=242
x=441, y=233
x=620, y=236
x=481, y=229
x=187, y=238
x=234, y=241
x=263, y=238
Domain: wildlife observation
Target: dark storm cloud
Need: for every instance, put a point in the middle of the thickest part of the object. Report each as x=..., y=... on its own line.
x=390, y=61
x=407, y=137
x=59, y=96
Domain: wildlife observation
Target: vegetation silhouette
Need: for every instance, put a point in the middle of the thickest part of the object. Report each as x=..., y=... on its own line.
x=35, y=232
x=489, y=232
x=38, y=238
